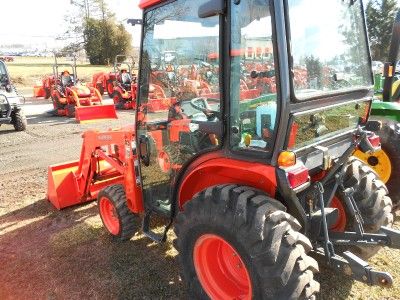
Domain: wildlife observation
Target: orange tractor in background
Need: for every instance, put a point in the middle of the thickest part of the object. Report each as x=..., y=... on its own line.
x=72, y=98
x=107, y=81
x=124, y=92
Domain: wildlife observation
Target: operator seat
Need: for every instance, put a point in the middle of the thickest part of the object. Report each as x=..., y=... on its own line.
x=126, y=80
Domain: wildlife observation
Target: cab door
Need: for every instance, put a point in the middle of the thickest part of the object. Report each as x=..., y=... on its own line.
x=179, y=94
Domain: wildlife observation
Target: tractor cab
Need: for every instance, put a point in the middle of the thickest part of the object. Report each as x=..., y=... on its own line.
x=269, y=86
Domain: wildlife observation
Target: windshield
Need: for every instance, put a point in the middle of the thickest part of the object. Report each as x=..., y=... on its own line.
x=329, y=48
x=180, y=59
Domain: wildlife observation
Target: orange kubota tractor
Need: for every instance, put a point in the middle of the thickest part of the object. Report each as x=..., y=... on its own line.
x=258, y=188
x=124, y=92
x=71, y=98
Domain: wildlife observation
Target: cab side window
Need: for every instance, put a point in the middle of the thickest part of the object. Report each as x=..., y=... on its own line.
x=253, y=86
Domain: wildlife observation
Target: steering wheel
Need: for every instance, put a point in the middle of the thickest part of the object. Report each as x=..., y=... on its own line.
x=202, y=105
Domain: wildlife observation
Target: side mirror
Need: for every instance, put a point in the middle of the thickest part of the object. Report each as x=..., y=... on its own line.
x=211, y=8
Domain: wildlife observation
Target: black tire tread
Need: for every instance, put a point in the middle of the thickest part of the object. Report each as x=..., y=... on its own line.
x=276, y=249
x=19, y=121
x=390, y=140
x=100, y=88
x=372, y=200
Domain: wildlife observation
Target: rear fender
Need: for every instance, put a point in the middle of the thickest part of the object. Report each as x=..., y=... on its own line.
x=213, y=169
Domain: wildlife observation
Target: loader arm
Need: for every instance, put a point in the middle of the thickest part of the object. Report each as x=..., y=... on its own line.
x=106, y=158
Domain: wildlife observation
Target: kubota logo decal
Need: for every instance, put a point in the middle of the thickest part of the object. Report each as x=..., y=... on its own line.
x=105, y=137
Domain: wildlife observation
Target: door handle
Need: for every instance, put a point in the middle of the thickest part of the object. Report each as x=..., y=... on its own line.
x=144, y=149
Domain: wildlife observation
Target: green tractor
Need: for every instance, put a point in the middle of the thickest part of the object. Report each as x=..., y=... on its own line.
x=386, y=109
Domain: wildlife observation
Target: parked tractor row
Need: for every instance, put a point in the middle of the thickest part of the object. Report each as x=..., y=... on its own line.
x=251, y=160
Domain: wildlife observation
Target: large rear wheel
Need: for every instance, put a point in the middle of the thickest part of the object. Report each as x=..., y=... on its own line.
x=119, y=221
x=236, y=243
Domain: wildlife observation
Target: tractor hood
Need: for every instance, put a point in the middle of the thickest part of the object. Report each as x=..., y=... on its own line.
x=81, y=90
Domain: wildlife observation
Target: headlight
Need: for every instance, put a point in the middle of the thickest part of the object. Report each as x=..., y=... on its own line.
x=3, y=100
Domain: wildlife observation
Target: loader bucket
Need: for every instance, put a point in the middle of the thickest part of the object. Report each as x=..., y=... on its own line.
x=95, y=112
x=38, y=91
x=62, y=187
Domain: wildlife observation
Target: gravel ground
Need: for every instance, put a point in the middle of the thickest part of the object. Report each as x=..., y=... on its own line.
x=47, y=254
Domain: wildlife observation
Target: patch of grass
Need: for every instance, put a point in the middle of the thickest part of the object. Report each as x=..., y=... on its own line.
x=29, y=71
x=76, y=235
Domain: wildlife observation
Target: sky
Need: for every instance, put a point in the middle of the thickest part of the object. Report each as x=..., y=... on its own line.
x=41, y=21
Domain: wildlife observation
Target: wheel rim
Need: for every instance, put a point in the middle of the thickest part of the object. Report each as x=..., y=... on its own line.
x=379, y=162
x=109, y=215
x=340, y=224
x=220, y=269
x=164, y=162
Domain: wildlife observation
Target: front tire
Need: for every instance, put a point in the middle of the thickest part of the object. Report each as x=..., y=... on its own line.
x=119, y=221
x=236, y=243
x=100, y=88
x=70, y=110
x=110, y=88
x=19, y=121
x=47, y=93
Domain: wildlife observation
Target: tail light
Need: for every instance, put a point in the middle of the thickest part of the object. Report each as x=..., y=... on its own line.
x=297, y=175
x=375, y=140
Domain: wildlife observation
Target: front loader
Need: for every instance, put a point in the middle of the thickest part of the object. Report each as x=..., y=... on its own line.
x=386, y=109
x=257, y=190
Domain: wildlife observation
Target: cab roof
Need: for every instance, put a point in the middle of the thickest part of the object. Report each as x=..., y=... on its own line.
x=148, y=3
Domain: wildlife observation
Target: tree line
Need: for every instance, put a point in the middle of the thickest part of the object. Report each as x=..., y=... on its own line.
x=380, y=18
x=91, y=26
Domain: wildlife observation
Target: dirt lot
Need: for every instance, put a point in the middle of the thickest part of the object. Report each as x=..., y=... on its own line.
x=50, y=254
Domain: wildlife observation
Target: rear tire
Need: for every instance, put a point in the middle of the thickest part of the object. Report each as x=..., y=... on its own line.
x=70, y=108
x=119, y=221
x=19, y=121
x=372, y=200
x=263, y=239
